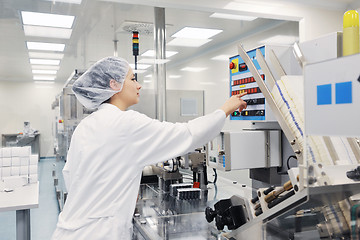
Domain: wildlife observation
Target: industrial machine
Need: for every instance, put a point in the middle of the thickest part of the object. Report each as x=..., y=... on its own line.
x=317, y=114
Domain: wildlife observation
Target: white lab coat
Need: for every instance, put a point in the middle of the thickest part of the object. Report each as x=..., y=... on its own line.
x=107, y=153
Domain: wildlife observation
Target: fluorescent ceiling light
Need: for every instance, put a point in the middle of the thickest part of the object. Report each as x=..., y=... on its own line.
x=221, y=58
x=139, y=66
x=66, y=1
x=147, y=81
x=44, y=82
x=151, y=53
x=46, y=55
x=232, y=16
x=46, y=19
x=187, y=42
x=174, y=76
x=48, y=32
x=39, y=71
x=43, y=77
x=197, y=33
x=45, y=46
x=193, y=69
x=44, y=61
x=153, y=61
x=42, y=67
x=148, y=76
x=280, y=39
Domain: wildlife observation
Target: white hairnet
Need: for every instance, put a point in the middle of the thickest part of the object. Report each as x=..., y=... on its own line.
x=93, y=87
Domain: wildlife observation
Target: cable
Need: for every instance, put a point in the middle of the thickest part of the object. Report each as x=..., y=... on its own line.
x=287, y=161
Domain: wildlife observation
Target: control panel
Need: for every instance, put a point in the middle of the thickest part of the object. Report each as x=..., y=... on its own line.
x=241, y=80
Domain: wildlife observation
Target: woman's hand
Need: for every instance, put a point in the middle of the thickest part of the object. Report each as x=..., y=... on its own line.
x=234, y=103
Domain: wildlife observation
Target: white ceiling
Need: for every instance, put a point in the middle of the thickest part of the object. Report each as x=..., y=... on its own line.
x=98, y=24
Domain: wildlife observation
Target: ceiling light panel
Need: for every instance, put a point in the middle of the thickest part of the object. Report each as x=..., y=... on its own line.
x=47, y=67
x=44, y=61
x=232, y=16
x=197, y=33
x=46, y=19
x=44, y=77
x=153, y=61
x=59, y=47
x=48, y=32
x=40, y=71
x=46, y=55
x=151, y=53
x=187, y=42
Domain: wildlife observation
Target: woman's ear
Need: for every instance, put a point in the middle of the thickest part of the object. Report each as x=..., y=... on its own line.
x=116, y=86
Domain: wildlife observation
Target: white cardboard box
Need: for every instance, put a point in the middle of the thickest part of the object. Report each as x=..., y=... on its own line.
x=15, y=161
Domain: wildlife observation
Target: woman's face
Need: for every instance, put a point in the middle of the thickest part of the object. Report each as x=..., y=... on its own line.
x=130, y=92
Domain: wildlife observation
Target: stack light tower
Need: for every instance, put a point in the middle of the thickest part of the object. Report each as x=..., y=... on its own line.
x=135, y=47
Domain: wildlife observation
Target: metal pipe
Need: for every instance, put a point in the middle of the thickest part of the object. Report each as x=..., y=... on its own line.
x=160, y=68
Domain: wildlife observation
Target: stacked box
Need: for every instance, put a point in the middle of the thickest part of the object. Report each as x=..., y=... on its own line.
x=18, y=165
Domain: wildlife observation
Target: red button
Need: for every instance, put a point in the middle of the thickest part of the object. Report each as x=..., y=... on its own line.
x=232, y=65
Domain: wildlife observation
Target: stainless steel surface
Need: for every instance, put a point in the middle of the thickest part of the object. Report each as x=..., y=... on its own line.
x=160, y=68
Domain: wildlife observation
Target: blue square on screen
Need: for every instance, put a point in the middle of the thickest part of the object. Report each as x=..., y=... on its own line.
x=324, y=94
x=343, y=92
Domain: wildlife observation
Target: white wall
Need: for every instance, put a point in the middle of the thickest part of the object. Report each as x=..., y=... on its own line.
x=21, y=101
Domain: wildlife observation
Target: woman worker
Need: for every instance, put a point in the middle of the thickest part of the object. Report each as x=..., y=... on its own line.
x=110, y=148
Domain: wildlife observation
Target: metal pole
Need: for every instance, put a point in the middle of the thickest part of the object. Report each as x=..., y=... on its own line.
x=160, y=69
